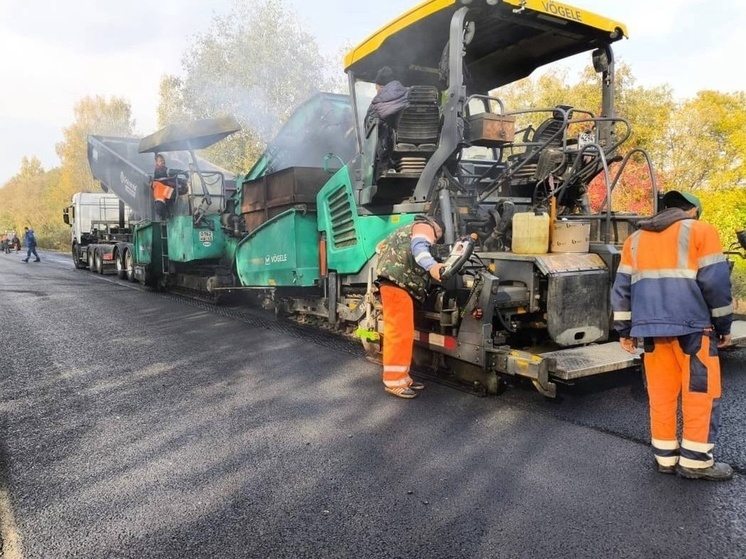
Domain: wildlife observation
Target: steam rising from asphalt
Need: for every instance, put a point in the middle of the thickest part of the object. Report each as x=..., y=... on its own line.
x=252, y=107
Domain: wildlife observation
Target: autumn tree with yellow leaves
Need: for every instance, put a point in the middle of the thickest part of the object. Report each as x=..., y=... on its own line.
x=35, y=197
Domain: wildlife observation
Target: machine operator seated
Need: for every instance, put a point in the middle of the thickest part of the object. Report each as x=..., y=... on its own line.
x=391, y=98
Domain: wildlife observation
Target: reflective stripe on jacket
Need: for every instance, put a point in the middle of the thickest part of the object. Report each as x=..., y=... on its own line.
x=672, y=282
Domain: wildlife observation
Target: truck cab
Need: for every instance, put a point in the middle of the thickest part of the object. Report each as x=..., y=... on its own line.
x=98, y=221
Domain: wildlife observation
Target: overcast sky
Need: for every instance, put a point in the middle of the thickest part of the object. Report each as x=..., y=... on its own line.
x=55, y=53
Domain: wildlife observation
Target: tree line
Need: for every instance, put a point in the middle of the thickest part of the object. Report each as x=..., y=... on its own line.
x=259, y=62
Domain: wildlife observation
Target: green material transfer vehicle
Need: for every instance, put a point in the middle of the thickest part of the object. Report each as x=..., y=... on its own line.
x=191, y=247
x=277, y=202
x=211, y=234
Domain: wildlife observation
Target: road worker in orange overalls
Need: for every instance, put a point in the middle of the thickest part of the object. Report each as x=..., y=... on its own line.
x=673, y=290
x=404, y=263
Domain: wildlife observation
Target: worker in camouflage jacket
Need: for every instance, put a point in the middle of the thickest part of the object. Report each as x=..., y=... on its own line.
x=404, y=264
x=673, y=290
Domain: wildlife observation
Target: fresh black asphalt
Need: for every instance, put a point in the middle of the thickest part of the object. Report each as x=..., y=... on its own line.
x=135, y=424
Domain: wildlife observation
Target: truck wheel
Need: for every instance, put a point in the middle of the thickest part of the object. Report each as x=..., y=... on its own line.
x=121, y=270
x=79, y=264
x=129, y=266
x=97, y=267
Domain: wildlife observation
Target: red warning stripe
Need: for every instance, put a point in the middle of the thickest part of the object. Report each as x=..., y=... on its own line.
x=435, y=340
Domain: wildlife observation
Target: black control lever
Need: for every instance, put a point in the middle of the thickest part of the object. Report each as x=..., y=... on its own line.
x=460, y=254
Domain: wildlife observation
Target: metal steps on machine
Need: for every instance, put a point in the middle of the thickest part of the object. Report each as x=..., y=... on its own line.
x=575, y=363
x=164, y=248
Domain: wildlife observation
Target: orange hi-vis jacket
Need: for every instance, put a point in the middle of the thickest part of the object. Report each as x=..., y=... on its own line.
x=162, y=192
x=673, y=279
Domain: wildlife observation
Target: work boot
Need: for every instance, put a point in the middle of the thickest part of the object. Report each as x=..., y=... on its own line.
x=719, y=471
x=401, y=392
x=665, y=469
x=25, y=260
x=37, y=260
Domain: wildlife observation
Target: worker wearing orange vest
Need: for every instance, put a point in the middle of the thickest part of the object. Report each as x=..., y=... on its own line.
x=163, y=185
x=404, y=263
x=673, y=289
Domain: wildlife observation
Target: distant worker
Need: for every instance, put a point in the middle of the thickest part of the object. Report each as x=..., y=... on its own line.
x=673, y=290
x=30, y=245
x=16, y=243
x=165, y=185
x=390, y=99
x=404, y=262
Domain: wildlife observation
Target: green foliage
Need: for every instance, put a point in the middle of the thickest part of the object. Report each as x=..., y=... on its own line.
x=738, y=279
x=256, y=63
x=725, y=208
x=707, y=142
x=648, y=110
x=172, y=107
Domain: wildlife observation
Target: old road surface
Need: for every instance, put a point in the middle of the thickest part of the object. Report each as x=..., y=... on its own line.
x=137, y=424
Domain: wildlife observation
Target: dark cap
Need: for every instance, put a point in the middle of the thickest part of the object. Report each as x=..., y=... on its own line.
x=683, y=200
x=384, y=76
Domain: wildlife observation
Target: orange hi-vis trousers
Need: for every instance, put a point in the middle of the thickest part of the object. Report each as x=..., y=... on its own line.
x=688, y=366
x=398, y=336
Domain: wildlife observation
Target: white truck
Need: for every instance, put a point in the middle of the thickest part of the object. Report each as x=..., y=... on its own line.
x=100, y=231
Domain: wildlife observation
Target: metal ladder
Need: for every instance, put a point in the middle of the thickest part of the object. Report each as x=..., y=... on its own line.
x=164, y=248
